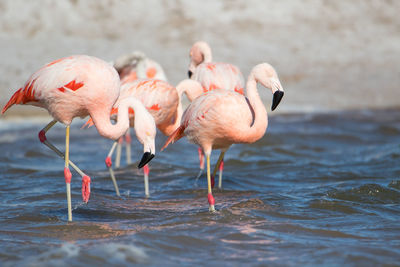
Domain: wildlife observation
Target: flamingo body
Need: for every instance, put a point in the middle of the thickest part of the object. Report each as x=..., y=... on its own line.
x=212, y=75
x=219, y=76
x=137, y=66
x=70, y=87
x=219, y=118
x=159, y=97
x=78, y=86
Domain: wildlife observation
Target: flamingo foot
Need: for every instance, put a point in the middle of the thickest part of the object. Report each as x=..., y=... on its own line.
x=212, y=181
x=67, y=175
x=108, y=162
x=85, y=188
x=211, y=201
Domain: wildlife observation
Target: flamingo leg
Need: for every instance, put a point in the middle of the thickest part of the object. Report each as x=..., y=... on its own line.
x=85, y=178
x=118, y=156
x=128, y=140
x=146, y=172
x=67, y=173
x=201, y=162
x=211, y=200
x=221, y=169
x=109, y=166
x=220, y=166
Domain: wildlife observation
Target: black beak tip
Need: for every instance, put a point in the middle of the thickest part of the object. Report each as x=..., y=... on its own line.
x=147, y=156
x=190, y=74
x=276, y=99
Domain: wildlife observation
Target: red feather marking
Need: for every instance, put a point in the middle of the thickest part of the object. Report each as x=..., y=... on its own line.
x=71, y=85
x=155, y=107
x=211, y=66
x=239, y=90
x=151, y=72
x=22, y=96
x=212, y=87
x=88, y=124
x=175, y=136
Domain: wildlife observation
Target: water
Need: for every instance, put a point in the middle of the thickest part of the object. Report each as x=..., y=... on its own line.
x=317, y=189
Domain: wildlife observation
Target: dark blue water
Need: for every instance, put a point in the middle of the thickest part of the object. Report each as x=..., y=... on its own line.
x=318, y=189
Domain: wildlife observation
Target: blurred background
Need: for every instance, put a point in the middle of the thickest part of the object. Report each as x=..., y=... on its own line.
x=330, y=55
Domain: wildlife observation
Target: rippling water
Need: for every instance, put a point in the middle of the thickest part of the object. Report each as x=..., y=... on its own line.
x=317, y=189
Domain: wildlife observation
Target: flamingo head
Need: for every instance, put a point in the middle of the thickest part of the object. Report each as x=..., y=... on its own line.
x=146, y=134
x=126, y=64
x=266, y=75
x=199, y=53
x=149, y=151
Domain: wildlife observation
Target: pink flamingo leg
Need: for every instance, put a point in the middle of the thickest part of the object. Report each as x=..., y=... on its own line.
x=128, y=141
x=67, y=173
x=220, y=166
x=146, y=172
x=221, y=169
x=201, y=161
x=210, y=197
x=119, y=150
x=108, y=162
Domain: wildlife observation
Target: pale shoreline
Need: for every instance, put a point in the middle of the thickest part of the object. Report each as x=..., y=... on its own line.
x=329, y=55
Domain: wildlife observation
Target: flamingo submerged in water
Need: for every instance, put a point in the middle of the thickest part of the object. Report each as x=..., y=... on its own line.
x=220, y=118
x=78, y=86
x=212, y=75
x=163, y=102
x=131, y=67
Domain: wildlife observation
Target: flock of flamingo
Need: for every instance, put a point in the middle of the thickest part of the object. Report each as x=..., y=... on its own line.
x=133, y=91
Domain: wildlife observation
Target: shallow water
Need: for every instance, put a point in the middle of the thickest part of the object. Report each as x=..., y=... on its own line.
x=317, y=189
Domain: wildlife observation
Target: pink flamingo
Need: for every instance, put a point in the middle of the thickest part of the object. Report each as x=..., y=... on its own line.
x=131, y=67
x=162, y=100
x=220, y=118
x=78, y=86
x=212, y=75
x=137, y=65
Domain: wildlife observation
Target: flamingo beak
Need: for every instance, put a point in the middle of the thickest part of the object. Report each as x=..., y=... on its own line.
x=190, y=73
x=147, y=156
x=277, y=99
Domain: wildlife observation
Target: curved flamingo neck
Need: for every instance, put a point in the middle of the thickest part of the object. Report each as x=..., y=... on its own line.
x=255, y=131
x=191, y=88
x=101, y=118
x=207, y=55
x=205, y=51
x=169, y=127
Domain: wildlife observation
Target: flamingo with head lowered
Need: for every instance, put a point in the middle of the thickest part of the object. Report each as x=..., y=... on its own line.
x=78, y=86
x=220, y=118
x=212, y=75
x=163, y=102
x=130, y=67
